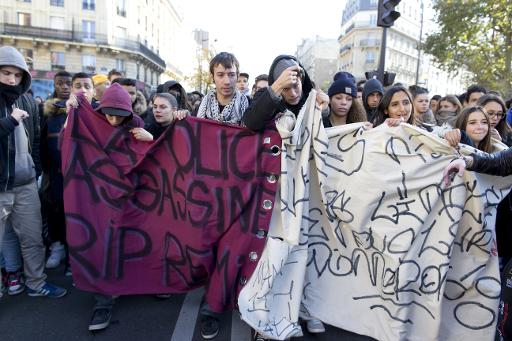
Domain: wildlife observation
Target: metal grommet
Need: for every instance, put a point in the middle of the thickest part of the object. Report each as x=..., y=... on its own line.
x=272, y=178
x=253, y=256
x=261, y=234
x=266, y=140
x=275, y=150
x=267, y=204
x=243, y=280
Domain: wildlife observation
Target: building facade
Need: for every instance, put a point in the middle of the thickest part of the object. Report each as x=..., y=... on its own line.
x=360, y=46
x=136, y=37
x=319, y=56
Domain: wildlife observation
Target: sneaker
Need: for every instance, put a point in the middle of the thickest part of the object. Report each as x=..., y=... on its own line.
x=48, y=290
x=315, y=326
x=58, y=253
x=209, y=327
x=15, y=283
x=100, y=319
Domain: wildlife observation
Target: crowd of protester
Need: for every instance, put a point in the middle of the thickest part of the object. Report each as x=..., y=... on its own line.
x=32, y=224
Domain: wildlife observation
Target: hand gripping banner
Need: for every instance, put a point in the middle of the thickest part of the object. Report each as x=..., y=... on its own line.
x=191, y=209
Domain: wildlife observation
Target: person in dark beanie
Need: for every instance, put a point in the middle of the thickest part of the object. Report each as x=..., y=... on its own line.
x=372, y=95
x=343, y=104
x=289, y=88
x=19, y=155
x=176, y=89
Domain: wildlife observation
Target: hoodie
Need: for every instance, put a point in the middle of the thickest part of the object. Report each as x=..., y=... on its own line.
x=182, y=100
x=371, y=86
x=266, y=104
x=18, y=164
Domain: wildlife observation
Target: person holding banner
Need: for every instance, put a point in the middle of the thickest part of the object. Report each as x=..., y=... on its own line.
x=395, y=107
x=165, y=111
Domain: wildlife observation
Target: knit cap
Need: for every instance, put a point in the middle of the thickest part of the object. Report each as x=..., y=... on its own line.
x=282, y=65
x=99, y=79
x=345, y=83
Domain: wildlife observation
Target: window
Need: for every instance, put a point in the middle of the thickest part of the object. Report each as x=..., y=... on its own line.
x=28, y=54
x=25, y=0
x=88, y=63
x=58, y=62
x=120, y=64
x=24, y=19
x=57, y=23
x=121, y=8
x=373, y=20
x=89, y=29
x=88, y=4
x=57, y=3
x=370, y=58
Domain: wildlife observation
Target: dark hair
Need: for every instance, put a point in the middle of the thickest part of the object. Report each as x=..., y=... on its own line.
x=244, y=74
x=125, y=81
x=361, y=83
x=262, y=77
x=494, y=92
x=168, y=97
x=508, y=103
x=63, y=73
x=386, y=101
x=115, y=72
x=80, y=75
x=436, y=98
x=417, y=90
x=463, y=97
x=356, y=112
x=462, y=121
x=453, y=100
x=473, y=89
x=359, y=89
x=502, y=126
x=195, y=92
x=226, y=59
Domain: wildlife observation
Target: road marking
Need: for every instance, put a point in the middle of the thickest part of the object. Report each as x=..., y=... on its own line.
x=240, y=331
x=184, y=329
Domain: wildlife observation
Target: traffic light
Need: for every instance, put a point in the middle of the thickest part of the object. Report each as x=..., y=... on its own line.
x=386, y=13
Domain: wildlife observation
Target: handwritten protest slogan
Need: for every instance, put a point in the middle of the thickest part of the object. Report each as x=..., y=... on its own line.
x=191, y=209
x=367, y=237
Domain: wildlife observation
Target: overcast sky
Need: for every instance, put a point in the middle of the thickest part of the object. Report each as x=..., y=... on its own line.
x=258, y=31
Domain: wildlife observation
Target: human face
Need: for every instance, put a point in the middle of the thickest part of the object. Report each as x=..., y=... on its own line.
x=445, y=105
x=400, y=106
x=477, y=127
x=114, y=121
x=132, y=91
x=360, y=96
x=421, y=103
x=341, y=104
x=434, y=105
x=11, y=75
x=495, y=112
x=225, y=81
x=261, y=84
x=474, y=97
x=374, y=99
x=241, y=83
x=62, y=87
x=100, y=89
x=293, y=94
x=84, y=85
x=163, y=111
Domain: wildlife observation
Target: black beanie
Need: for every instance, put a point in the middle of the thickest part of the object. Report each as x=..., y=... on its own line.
x=344, y=82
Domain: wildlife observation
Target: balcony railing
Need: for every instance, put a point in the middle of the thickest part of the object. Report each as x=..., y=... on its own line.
x=369, y=43
x=82, y=37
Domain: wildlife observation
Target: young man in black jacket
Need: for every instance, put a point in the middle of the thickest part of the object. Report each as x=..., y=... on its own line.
x=19, y=161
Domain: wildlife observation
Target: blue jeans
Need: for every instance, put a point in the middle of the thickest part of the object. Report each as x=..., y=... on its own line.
x=10, y=257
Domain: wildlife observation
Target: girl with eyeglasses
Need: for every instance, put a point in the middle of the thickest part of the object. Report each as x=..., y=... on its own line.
x=495, y=107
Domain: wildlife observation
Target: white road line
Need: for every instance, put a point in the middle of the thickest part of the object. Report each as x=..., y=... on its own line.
x=240, y=331
x=184, y=329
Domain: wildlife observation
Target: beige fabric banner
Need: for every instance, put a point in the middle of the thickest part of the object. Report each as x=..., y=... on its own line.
x=366, y=237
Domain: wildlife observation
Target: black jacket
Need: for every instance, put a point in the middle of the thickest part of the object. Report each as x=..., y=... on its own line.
x=266, y=105
x=493, y=164
x=7, y=146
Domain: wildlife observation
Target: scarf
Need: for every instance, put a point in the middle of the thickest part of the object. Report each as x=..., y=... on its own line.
x=232, y=113
x=10, y=93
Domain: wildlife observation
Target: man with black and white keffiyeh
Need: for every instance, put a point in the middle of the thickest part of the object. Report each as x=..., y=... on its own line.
x=224, y=103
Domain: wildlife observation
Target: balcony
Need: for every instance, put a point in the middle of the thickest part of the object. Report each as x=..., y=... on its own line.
x=369, y=43
x=345, y=48
x=133, y=45
x=121, y=12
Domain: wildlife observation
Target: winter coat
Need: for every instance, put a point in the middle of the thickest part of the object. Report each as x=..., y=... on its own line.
x=494, y=164
x=371, y=86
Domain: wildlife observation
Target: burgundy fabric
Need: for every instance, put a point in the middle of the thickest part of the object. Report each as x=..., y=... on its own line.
x=167, y=217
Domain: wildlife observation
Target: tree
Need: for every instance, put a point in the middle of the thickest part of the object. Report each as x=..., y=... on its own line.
x=477, y=35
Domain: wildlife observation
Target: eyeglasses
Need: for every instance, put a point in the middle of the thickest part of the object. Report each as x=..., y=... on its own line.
x=499, y=115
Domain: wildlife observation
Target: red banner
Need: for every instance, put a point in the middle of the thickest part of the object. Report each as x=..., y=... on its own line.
x=191, y=209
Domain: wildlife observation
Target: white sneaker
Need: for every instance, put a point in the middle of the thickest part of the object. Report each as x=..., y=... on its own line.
x=56, y=256
x=315, y=326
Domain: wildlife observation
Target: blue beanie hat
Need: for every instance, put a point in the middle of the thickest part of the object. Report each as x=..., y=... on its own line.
x=344, y=82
